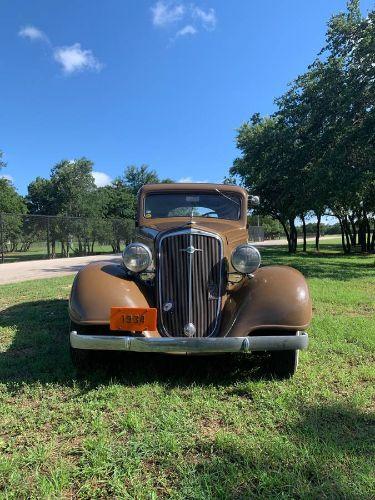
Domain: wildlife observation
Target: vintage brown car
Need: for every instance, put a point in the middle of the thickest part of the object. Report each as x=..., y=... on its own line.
x=191, y=284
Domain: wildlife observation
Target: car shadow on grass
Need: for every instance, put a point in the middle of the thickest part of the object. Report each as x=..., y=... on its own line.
x=38, y=351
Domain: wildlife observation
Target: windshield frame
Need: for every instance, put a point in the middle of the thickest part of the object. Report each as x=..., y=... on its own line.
x=238, y=200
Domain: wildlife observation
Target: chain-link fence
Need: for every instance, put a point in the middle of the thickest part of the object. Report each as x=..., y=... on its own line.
x=28, y=237
x=256, y=233
x=32, y=237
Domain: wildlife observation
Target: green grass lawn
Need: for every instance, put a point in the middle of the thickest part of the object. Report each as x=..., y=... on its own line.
x=172, y=427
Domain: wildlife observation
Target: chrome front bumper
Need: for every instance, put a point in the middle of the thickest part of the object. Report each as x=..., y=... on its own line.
x=187, y=345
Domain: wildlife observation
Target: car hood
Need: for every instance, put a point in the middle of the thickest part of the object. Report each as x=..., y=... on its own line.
x=231, y=232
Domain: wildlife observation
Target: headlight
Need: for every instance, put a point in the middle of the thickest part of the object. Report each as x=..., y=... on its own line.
x=136, y=257
x=245, y=259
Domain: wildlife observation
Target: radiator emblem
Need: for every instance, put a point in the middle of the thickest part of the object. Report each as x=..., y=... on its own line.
x=191, y=250
x=189, y=330
x=167, y=306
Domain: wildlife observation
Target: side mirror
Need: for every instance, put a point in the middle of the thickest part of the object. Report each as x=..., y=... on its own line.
x=254, y=200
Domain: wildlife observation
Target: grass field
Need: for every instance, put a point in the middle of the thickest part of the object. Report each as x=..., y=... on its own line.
x=149, y=427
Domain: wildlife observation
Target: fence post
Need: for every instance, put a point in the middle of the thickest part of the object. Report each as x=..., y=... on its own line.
x=1, y=238
x=48, y=239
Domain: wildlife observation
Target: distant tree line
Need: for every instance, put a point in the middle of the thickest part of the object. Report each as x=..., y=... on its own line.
x=315, y=154
x=81, y=210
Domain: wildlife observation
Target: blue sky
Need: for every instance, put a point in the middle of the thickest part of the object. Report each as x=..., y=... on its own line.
x=159, y=82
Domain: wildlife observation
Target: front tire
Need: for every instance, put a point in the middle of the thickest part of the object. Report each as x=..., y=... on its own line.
x=283, y=364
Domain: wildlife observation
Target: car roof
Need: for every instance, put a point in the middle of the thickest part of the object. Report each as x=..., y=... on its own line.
x=192, y=186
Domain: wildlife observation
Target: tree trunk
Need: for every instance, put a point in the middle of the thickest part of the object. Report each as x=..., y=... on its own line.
x=353, y=233
x=362, y=232
x=304, y=233
x=366, y=233
x=345, y=238
x=285, y=231
x=292, y=247
x=317, y=237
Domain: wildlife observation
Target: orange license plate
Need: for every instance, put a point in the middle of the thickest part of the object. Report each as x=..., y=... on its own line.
x=133, y=318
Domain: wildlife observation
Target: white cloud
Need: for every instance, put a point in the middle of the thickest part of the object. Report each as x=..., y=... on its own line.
x=187, y=30
x=73, y=59
x=189, y=179
x=7, y=177
x=190, y=16
x=101, y=179
x=207, y=18
x=32, y=33
x=164, y=13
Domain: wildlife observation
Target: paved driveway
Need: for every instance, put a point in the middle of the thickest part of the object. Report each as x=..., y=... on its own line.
x=38, y=269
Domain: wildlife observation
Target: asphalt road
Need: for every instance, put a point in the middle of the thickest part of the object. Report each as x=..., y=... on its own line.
x=40, y=269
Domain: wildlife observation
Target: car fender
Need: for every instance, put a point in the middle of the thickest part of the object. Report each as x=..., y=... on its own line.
x=275, y=298
x=98, y=287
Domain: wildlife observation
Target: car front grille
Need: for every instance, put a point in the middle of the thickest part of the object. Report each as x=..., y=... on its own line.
x=189, y=283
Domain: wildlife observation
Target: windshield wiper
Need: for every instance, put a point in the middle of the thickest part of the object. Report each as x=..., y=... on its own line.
x=228, y=197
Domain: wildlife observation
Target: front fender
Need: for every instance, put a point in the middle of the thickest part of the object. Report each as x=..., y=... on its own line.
x=100, y=286
x=276, y=298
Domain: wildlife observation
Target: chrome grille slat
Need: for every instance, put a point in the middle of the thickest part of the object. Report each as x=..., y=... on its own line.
x=173, y=282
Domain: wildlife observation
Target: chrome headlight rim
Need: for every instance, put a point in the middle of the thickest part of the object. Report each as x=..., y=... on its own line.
x=254, y=268
x=137, y=245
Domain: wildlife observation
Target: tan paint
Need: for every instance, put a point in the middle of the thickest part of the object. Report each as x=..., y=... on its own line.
x=100, y=286
x=276, y=298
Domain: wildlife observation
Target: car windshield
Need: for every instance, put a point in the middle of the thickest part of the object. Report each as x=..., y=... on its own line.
x=192, y=204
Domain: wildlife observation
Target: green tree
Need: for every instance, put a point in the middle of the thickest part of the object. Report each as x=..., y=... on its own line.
x=70, y=194
x=118, y=200
x=268, y=169
x=73, y=185
x=41, y=197
x=135, y=177
x=10, y=200
x=315, y=153
x=119, y=208
x=12, y=205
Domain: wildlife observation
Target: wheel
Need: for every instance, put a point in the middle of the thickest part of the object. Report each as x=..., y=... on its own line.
x=283, y=364
x=82, y=359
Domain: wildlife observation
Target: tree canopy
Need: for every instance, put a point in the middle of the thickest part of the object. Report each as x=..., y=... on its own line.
x=315, y=154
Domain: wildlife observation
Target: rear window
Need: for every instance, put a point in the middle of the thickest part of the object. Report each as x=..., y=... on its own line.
x=192, y=204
